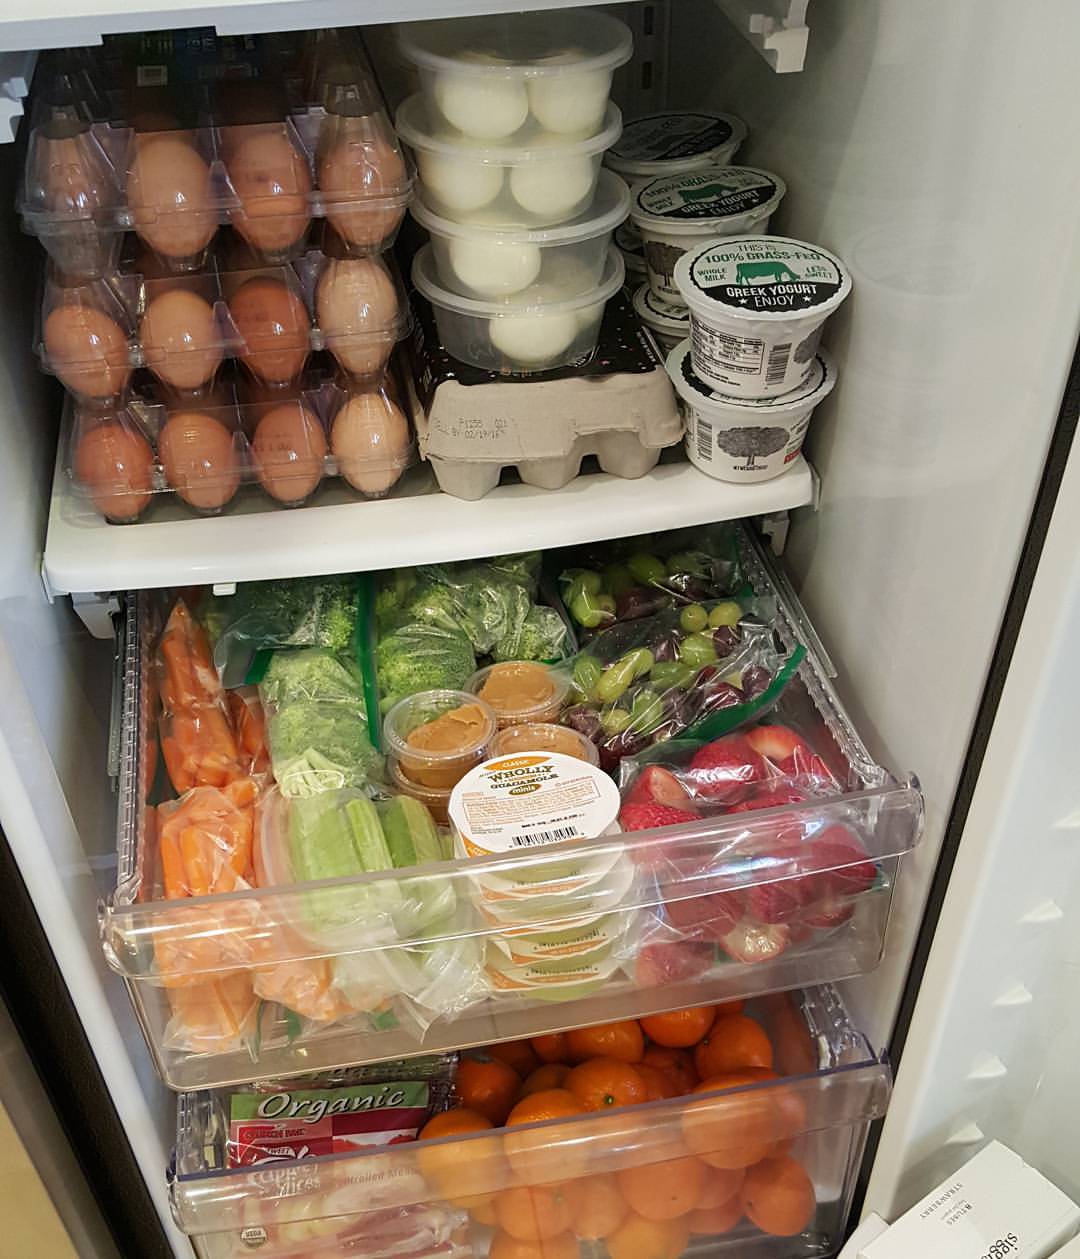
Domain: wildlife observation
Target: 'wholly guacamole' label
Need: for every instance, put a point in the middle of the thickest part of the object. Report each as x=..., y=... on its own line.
x=669, y=137
x=717, y=192
x=767, y=275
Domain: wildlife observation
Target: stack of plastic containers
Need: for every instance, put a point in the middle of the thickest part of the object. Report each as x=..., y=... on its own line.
x=210, y=234
x=509, y=130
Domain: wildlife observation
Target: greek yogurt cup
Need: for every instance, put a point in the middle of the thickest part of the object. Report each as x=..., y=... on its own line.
x=757, y=308
x=505, y=264
x=673, y=143
x=632, y=248
x=746, y=439
x=680, y=213
x=669, y=324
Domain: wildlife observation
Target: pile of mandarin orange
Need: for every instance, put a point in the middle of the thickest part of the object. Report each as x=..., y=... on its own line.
x=719, y=1161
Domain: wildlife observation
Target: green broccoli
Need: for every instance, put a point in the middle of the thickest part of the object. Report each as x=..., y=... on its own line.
x=524, y=569
x=431, y=602
x=416, y=658
x=542, y=636
x=310, y=674
x=393, y=590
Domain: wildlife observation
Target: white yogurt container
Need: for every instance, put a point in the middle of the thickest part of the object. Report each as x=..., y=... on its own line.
x=632, y=248
x=672, y=143
x=746, y=439
x=669, y=324
x=679, y=213
x=518, y=337
x=495, y=76
x=536, y=179
x=498, y=264
x=757, y=308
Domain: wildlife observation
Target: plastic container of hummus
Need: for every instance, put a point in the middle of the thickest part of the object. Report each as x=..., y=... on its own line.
x=520, y=691
x=757, y=308
x=535, y=736
x=669, y=324
x=746, y=439
x=436, y=737
x=680, y=213
x=437, y=799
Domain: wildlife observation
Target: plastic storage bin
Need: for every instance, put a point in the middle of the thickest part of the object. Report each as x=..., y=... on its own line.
x=417, y=1196
x=490, y=78
x=256, y=928
x=491, y=264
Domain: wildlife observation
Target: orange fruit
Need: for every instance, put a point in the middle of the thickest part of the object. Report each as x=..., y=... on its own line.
x=778, y=1196
x=550, y=1076
x=488, y=1087
x=734, y=1043
x=729, y=1007
x=608, y=1040
x=442, y=1165
x=602, y=1083
x=534, y=1156
x=503, y=1246
x=657, y=1084
x=721, y=1185
x=550, y=1048
x=532, y=1213
x=713, y=1221
x=663, y=1191
x=518, y=1054
x=598, y=1207
x=733, y=1129
x=639, y=1238
x=481, y=1207
x=679, y=1029
x=676, y=1064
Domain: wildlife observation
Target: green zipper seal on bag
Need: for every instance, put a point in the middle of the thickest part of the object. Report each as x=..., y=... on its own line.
x=726, y=719
x=365, y=656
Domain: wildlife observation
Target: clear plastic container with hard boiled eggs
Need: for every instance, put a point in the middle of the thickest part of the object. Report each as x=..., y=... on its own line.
x=536, y=178
x=263, y=137
x=498, y=76
x=128, y=459
x=532, y=334
x=496, y=263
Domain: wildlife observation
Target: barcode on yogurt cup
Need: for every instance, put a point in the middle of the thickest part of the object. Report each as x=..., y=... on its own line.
x=703, y=431
x=776, y=368
x=554, y=836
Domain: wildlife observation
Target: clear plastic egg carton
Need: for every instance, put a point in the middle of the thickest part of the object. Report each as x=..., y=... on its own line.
x=96, y=332
x=125, y=459
x=173, y=135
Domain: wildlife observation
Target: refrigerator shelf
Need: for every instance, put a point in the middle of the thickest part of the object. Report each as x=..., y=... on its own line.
x=417, y=524
x=380, y=933
x=832, y=1085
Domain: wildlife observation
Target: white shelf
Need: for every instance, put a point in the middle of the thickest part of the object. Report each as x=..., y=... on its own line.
x=776, y=28
x=416, y=525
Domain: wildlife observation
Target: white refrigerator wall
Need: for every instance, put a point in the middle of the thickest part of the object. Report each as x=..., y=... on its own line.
x=923, y=143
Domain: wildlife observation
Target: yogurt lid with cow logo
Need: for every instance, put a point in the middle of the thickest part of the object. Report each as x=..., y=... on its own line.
x=670, y=143
x=761, y=278
x=716, y=198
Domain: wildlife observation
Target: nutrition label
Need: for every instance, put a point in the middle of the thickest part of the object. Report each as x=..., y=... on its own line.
x=721, y=350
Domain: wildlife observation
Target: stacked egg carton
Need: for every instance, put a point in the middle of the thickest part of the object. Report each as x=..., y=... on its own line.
x=219, y=302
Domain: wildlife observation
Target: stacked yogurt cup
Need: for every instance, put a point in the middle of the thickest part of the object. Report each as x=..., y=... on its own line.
x=752, y=371
x=508, y=131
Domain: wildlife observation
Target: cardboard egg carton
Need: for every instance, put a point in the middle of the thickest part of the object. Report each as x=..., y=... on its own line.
x=618, y=405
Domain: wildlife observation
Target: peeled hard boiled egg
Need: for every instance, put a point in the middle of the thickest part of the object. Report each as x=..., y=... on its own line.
x=181, y=341
x=460, y=184
x=169, y=191
x=552, y=190
x=358, y=172
x=488, y=108
x=571, y=103
x=494, y=268
x=88, y=351
x=199, y=456
x=289, y=448
x=114, y=463
x=275, y=327
x=357, y=308
x=272, y=181
x=531, y=340
x=370, y=440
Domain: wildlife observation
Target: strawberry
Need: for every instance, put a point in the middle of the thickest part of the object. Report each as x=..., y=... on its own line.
x=657, y=785
x=659, y=964
x=782, y=746
x=648, y=817
x=723, y=769
x=767, y=797
x=846, y=869
x=828, y=914
x=709, y=916
x=751, y=943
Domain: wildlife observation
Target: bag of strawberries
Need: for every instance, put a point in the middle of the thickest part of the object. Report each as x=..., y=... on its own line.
x=780, y=875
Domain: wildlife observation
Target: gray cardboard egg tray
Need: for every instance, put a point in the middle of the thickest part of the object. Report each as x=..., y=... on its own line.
x=618, y=406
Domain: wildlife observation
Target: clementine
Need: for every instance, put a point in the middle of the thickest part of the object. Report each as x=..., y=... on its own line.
x=721, y=1185
x=622, y=1040
x=503, y=1246
x=442, y=1164
x=551, y=1075
x=602, y=1083
x=533, y=1212
x=518, y=1054
x=676, y=1064
x=657, y=1084
x=679, y=1029
x=714, y=1221
x=550, y=1048
x=778, y=1196
x=488, y=1087
x=663, y=1191
x=598, y=1206
x=533, y=1155
x=639, y=1238
x=734, y=1042
x=735, y=1128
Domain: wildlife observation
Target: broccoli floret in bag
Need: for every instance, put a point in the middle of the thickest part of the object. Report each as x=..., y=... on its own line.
x=422, y=658
x=543, y=636
x=523, y=568
x=394, y=589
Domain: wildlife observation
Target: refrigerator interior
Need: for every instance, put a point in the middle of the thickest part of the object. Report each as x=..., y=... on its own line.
x=902, y=142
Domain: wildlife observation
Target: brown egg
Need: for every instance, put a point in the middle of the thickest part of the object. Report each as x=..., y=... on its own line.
x=356, y=170
x=88, y=351
x=272, y=180
x=169, y=191
x=181, y=339
x=289, y=449
x=114, y=463
x=370, y=440
x=199, y=456
x=275, y=326
x=357, y=308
